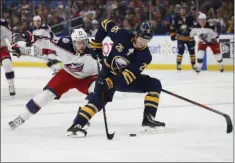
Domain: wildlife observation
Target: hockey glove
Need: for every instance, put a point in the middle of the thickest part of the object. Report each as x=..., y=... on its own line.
x=16, y=50
x=96, y=49
x=23, y=36
x=173, y=37
x=212, y=42
x=104, y=84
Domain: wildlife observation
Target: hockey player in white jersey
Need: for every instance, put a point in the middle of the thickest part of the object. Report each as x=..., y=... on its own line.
x=6, y=62
x=49, y=55
x=79, y=71
x=207, y=34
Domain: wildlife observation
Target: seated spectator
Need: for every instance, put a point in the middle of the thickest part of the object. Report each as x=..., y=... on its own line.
x=230, y=26
x=95, y=26
x=127, y=25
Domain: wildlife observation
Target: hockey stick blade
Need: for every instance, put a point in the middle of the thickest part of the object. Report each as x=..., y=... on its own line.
x=229, y=123
x=110, y=136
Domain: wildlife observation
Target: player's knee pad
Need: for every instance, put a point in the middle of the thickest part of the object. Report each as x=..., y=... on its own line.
x=40, y=100
x=7, y=65
x=191, y=51
x=219, y=57
x=154, y=85
x=181, y=48
x=10, y=75
x=200, y=54
x=199, y=60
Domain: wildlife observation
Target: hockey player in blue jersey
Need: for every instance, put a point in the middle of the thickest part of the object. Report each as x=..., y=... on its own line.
x=121, y=71
x=180, y=31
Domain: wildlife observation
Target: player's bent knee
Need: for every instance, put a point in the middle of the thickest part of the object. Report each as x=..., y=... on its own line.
x=155, y=85
x=7, y=65
x=219, y=57
x=199, y=60
x=40, y=100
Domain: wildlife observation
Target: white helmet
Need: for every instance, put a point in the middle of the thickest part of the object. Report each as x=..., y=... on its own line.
x=202, y=16
x=78, y=34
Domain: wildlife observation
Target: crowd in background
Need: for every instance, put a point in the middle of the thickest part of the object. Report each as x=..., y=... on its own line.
x=126, y=13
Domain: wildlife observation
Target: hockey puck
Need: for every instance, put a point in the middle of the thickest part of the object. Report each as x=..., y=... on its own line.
x=132, y=135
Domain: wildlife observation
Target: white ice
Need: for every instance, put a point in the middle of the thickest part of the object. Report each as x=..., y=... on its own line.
x=191, y=134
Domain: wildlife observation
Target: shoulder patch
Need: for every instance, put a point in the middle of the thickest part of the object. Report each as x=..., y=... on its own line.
x=65, y=40
x=3, y=20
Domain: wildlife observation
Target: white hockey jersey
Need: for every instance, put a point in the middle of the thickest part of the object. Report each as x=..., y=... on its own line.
x=5, y=32
x=76, y=65
x=207, y=33
x=43, y=31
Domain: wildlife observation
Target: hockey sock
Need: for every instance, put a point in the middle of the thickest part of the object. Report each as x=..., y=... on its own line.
x=40, y=100
x=219, y=58
x=193, y=59
x=200, y=56
x=9, y=73
x=151, y=103
x=85, y=114
x=179, y=59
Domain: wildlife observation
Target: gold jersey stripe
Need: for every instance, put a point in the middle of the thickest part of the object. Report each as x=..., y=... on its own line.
x=132, y=74
x=128, y=76
x=105, y=23
x=148, y=104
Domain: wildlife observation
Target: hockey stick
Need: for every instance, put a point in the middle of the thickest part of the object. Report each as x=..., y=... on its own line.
x=109, y=136
x=227, y=118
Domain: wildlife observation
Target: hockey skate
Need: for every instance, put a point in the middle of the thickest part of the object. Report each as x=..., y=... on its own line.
x=16, y=122
x=194, y=67
x=179, y=67
x=12, y=90
x=150, y=123
x=221, y=68
x=76, y=131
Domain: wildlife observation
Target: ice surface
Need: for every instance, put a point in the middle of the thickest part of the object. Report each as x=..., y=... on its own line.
x=191, y=134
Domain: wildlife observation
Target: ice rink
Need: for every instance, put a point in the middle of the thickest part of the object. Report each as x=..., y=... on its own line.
x=191, y=134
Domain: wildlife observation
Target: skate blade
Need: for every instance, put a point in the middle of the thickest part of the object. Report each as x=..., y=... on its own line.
x=75, y=135
x=158, y=129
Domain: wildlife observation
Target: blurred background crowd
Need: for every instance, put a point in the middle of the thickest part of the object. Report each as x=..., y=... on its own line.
x=64, y=15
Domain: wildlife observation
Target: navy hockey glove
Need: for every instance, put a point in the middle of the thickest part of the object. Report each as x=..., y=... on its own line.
x=96, y=49
x=104, y=84
x=173, y=38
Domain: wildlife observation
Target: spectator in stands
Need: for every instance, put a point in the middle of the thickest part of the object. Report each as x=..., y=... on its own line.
x=95, y=26
x=229, y=24
x=87, y=25
x=127, y=25
x=126, y=13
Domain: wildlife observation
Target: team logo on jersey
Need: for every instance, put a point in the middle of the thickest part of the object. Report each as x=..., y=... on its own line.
x=75, y=67
x=65, y=40
x=118, y=63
